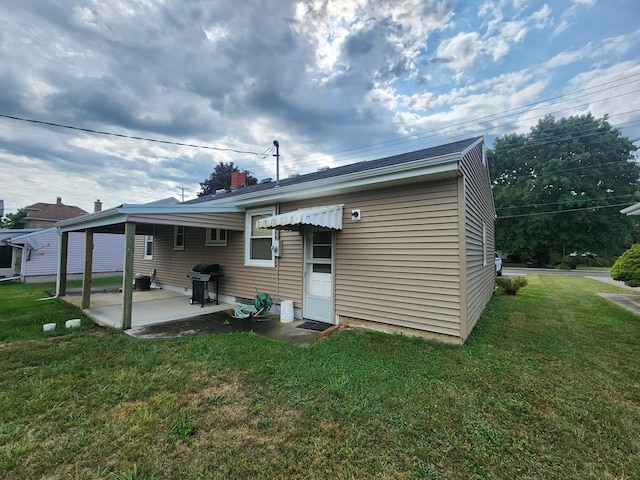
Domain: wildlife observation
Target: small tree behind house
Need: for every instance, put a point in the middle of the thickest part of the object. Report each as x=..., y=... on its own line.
x=220, y=179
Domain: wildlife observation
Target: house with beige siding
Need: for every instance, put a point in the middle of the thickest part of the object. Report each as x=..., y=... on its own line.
x=400, y=244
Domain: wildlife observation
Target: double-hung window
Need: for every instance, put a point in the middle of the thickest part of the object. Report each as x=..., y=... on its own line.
x=148, y=247
x=216, y=236
x=258, y=241
x=178, y=237
x=484, y=244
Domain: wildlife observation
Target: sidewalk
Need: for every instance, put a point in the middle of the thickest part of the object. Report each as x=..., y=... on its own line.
x=629, y=301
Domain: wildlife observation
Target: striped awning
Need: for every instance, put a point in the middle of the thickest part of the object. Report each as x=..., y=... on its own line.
x=328, y=216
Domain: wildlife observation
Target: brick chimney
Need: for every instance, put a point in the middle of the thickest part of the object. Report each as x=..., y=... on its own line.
x=238, y=179
x=97, y=206
x=59, y=201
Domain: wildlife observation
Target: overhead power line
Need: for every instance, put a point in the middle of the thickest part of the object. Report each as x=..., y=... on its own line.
x=546, y=204
x=262, y=155
x=594, y=208
x=590, y=132
x=498, y=115
x=358, y=152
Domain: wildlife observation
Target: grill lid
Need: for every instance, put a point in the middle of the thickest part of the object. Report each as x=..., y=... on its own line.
x=206, y=268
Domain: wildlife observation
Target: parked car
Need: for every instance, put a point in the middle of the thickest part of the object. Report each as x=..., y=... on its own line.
x=498, y=265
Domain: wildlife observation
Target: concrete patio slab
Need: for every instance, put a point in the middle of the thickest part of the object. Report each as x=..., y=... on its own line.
x=149, y=307
x=161, y=313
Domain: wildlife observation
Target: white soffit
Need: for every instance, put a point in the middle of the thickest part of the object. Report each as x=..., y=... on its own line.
x=328, y=216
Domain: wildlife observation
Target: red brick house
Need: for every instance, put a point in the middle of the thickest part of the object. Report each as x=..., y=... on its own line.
x=43, y=215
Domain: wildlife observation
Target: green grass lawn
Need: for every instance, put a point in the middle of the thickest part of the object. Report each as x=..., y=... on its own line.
x=546, y=387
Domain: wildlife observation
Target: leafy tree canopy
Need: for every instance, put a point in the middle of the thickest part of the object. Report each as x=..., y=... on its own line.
x=221, y=178
x=14, y=220
x=560, y=188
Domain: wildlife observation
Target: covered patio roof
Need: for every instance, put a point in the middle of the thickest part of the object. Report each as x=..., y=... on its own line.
x=132, y=220
x=113, y=220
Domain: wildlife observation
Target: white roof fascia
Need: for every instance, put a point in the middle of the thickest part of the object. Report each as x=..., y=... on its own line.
x=14, y=232
x=352, y=181
x=137, y=209
x=7, y=238
x=92, y=220
x=631, y=210
x=122, y=214
x=472, y=146
x=22, y=238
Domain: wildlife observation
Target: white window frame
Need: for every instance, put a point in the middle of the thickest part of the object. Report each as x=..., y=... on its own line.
x=248, y=261
x=216, y=237
x=177, y=234
x=484, y=244
x=148, y=240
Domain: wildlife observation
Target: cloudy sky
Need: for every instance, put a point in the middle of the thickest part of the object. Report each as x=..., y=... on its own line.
x=334, y=82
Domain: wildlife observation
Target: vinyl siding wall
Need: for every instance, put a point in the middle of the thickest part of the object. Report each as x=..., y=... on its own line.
x=108, y=254
x=290, y=267
x=479, y=209
x=172, y=265
x=399, y=265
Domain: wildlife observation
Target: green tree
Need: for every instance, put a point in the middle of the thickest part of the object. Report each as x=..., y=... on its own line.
x=560, y=188
x=14, y=220
x=221, y=178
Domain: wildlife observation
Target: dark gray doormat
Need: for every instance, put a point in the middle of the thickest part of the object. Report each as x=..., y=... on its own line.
x=313, y=325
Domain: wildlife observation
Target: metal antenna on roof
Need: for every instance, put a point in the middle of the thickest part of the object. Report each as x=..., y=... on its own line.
x=277, y=155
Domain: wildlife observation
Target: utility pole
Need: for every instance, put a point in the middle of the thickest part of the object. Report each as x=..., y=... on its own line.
x=277, y=155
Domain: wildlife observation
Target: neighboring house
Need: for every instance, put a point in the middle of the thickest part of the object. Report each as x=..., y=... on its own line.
x=38, y=261
x=10, y=255
x=401, y=244
x=43, y=215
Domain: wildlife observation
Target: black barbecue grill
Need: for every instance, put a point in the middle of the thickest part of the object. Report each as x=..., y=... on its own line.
x=200, y=276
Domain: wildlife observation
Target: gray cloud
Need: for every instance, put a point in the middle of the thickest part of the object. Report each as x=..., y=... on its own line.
x=321, y=76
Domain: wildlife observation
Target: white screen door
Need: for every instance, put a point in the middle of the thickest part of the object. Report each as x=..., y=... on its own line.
x=318, y=276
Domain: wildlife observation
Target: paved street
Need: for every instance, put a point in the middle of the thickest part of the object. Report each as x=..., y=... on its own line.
x=514, y=272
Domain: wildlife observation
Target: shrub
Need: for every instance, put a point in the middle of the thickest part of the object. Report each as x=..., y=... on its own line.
x=511, y=285
x=627, y=267
x=603, y=261
x=562, y=266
